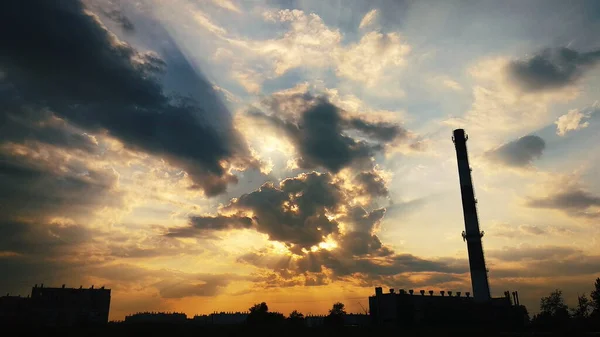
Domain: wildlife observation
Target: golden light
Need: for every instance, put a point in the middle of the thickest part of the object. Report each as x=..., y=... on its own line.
x=279, y=248
x=328, y=245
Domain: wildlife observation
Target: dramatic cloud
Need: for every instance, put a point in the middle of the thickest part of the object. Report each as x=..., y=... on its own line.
x=324, y=222
x=372, y=184
x=382, y=131
x=552, y=68
x=50, y=240
x=518, y=153
x=27, y=126
x=322, y=133
x=120, y=18
x=211, y=223
x=571, y=121
x=104, y=85
x=542, y=261
x=58, y=251
x=571, y=200
x=40, y=183
x=295, y=212
x=365, y=270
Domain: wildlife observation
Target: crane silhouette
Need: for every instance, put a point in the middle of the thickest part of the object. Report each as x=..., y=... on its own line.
x=363, y=308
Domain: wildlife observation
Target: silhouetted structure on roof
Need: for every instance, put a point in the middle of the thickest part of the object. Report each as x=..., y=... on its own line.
x=472, y=234
x=57, y=307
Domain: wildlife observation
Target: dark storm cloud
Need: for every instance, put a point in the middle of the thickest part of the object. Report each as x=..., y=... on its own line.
x=518, y=153
x=544, y=261
x=552, y=68
x=55, y=56
x=340, y=265
x=320, y=131
x=297, y=212
x=203, y=224
x=31, y=238
x=385, y=132
x=372, y=184
x=120, y=18
x=40, y=187
x=293, y=212
x=392, y=265
x=359, y=254
x=57, y=253
x=23, y=126
x=23, y=272
x=33, y=252
x=362, y=244
x=360, y=239
x=573, y=201
x=27, y=271
x=362, y=220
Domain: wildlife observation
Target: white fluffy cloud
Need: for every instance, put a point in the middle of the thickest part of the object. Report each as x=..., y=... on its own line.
x=571, y=121
x=309, y=43
x=369, y=59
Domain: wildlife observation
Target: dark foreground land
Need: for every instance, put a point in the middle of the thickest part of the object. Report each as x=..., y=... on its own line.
x=175, y=330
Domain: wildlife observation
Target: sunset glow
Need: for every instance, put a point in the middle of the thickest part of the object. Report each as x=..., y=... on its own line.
x=206, y=155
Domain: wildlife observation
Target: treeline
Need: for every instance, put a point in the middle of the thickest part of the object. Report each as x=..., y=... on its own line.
x=556, y=315
x=261, y=316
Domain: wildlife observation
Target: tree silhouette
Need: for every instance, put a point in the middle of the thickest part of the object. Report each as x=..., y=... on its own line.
x=296, y=315
x=296, y=319
x=595, y=304
x=336, y=315
x=595, y=297
x=582, y=311
x=554, y=313
x=337, y=310
x=260, y=315
x=554, y=304
x=259, y=308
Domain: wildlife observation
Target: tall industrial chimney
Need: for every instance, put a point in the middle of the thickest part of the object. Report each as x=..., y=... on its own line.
x=479, y=278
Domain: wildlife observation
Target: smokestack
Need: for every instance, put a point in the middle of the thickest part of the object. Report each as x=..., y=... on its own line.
x=472, y=234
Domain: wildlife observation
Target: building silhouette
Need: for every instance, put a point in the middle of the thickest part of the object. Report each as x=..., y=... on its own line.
x=156, y=317
x=221, y=318
x=443, y=308
x=450, y=308
x=48, y=306
x=14, y=309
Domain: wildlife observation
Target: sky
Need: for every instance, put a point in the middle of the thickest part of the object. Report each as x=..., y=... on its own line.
x=206, y=155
